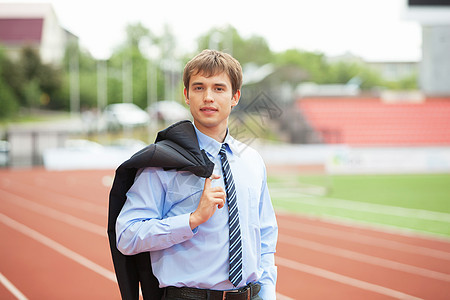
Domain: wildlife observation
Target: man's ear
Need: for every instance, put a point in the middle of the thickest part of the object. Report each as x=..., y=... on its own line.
x=186, y=96
x=235, y=99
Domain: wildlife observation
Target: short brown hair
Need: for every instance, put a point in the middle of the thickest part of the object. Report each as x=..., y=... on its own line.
x=211, y=62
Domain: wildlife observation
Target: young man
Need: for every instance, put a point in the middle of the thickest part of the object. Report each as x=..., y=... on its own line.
x=206, y=236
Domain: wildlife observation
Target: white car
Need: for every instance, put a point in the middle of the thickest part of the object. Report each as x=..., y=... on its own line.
x=122, y=115
x=168, y=111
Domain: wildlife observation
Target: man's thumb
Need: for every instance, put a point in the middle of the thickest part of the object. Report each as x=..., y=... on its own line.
x=210, y=179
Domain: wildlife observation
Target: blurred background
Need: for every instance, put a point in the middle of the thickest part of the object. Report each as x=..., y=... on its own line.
x=347, y=101
x=331, y=89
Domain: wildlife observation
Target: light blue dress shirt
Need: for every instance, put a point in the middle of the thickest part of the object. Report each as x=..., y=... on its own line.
x=155, y=218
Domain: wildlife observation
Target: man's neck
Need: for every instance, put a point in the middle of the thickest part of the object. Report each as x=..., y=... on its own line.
x=217, y=133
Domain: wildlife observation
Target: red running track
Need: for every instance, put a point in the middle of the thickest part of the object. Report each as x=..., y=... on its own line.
x=54, y=246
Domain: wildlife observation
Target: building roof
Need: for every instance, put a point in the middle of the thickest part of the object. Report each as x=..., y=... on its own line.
x=14, y=31
x=22, y=23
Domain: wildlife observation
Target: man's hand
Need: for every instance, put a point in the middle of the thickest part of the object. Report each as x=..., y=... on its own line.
x=211, y=199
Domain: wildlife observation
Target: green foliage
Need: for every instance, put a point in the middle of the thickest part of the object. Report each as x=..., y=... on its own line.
x=343, y=72
x=406, y=83
x=10, y=105
x=135, y=34
x=9, y=101
x=31, y=93
x=28, y=82
x=323, y=72
x=61, y=98
x=140, y=41
x=49, y=79
x=38, y=78
x=253, y=49
x=313, y=63
x=88, y=89
x=30, y=63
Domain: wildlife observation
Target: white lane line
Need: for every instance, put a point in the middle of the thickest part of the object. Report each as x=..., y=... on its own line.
x=368, y=259
x=11, y=288
x=57, y=247
x=342, y=278
x=69, y=253
x=364, y=239
x=373, y=226
x=366, y=207
x=62, y=199
x=54, y=214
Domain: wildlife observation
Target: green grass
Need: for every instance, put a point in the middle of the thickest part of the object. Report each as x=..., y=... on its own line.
x=415, y=202
x=429, y=192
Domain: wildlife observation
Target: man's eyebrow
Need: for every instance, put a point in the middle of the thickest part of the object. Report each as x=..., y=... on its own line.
x=216, y=84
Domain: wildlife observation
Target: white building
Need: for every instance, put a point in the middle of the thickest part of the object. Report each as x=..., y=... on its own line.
x=434, y=17
x=35, y=25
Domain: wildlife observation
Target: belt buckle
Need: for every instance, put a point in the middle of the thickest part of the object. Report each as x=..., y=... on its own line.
x=247, y=291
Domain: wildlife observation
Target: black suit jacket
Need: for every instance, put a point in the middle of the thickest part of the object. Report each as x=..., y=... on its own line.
x=175, y=147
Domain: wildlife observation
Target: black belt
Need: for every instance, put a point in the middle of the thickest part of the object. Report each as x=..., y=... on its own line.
x=244, y=293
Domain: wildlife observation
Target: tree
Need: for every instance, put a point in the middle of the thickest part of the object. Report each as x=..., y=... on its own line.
x=33, y=83
x=135, y=33
x=252, y=50
x=313, y=63
x=82, y=66
x=127, y=68
x=10, y=103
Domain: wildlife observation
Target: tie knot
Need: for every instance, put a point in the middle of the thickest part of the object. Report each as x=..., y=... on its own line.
x=223, y=149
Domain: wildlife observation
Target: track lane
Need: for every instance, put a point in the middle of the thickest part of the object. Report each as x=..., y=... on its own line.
x=75, y=205
x=69, y=194
x=410, y=284
x=88, y=244
x=9, y=290
x=363, y=238
x=376, y=252
x=396, y=235
x=306, y=285
x=336, y=248
x=41, y=272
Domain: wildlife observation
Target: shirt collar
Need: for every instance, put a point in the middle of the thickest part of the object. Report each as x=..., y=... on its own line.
x=212, y=146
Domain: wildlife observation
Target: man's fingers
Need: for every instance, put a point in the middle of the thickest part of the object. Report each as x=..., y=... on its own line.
x=219, y=194
x=220, y=205
x=214, y=176
x=221, y=197
x=216, y=194
x=209, y=180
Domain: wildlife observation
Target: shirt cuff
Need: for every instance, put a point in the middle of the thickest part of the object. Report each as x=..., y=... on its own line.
x=180, y=228
x=267, y=292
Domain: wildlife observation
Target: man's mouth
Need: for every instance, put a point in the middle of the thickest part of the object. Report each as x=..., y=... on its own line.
x=208, y=109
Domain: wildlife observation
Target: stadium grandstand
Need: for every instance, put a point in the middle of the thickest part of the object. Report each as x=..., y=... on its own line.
x=358, y=121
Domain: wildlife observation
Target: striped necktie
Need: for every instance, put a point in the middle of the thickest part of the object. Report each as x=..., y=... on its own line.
x=235, y=273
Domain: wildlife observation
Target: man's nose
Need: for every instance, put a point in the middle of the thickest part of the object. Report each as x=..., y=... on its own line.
x=209, y=95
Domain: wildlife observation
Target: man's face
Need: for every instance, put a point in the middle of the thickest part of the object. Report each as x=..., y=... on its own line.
x=210, y=100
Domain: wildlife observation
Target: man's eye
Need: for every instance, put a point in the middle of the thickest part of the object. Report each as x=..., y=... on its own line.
x=197, y=88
